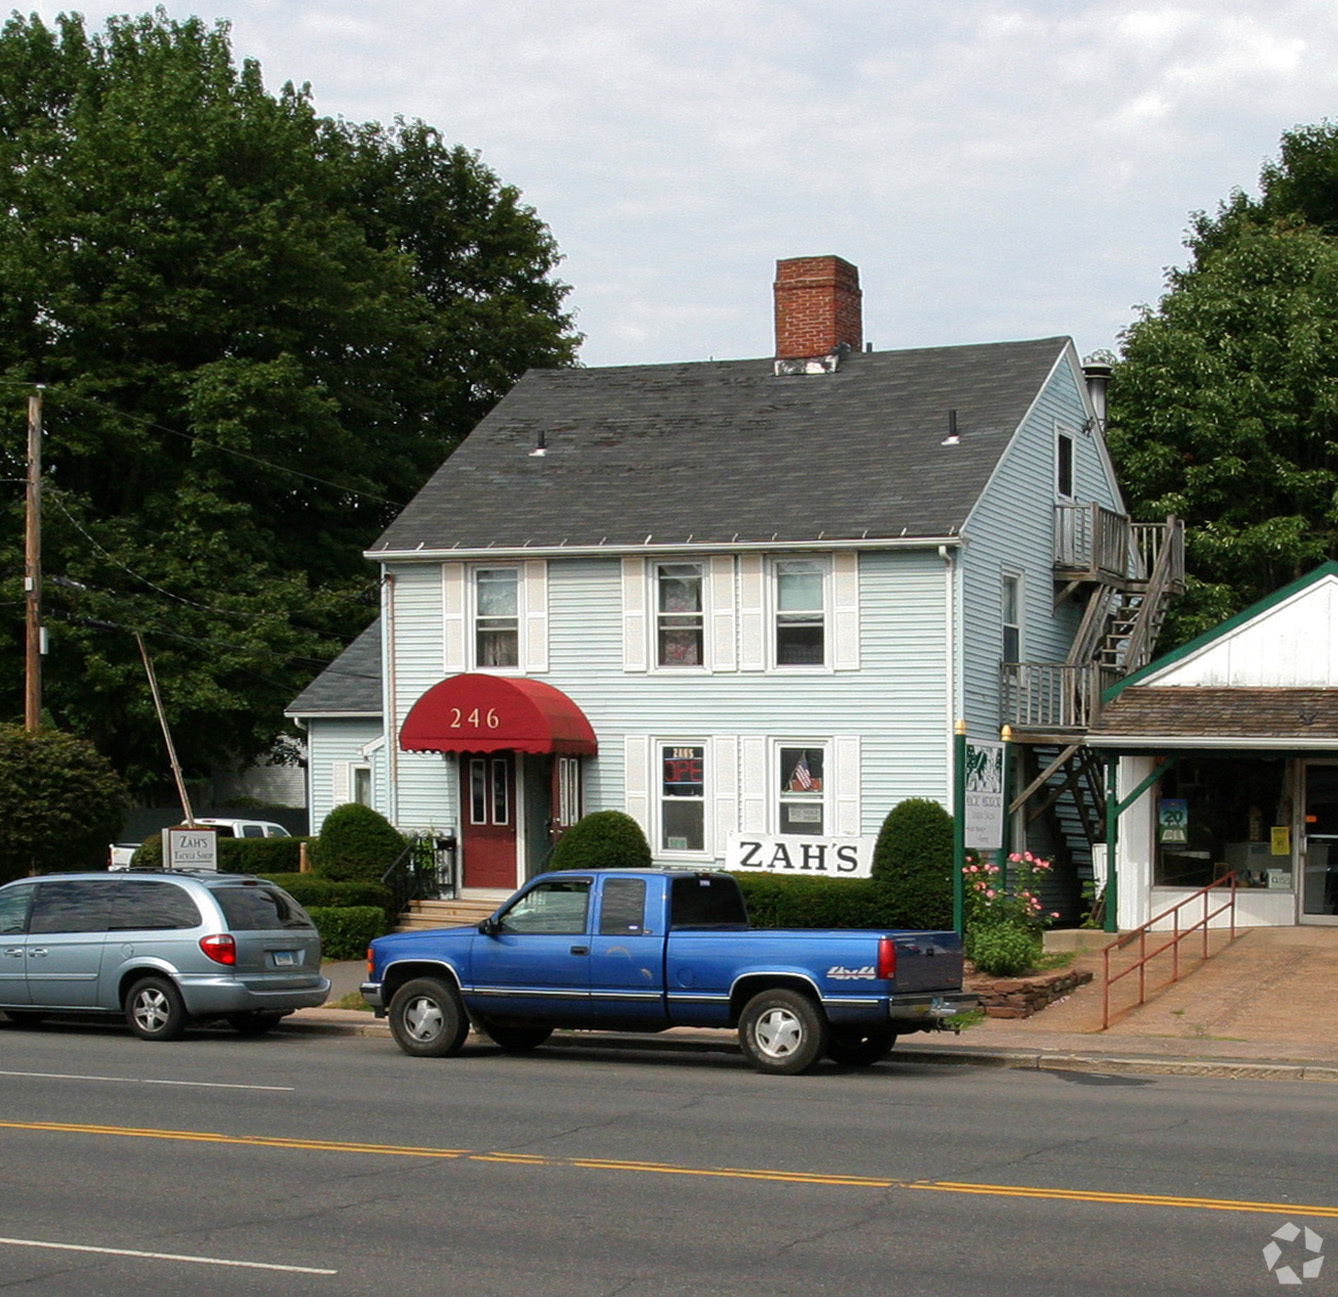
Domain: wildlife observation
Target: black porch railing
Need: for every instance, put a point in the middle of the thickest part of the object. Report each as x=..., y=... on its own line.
x=425, y=870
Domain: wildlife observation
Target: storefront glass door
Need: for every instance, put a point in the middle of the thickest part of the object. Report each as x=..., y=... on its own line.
x=1319, y=845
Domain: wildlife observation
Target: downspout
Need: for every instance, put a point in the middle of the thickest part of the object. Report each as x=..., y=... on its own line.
x=952, y=708
x=391, y=722
x=957, y=729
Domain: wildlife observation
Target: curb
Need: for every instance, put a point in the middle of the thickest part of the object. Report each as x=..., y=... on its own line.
x=354, y=1022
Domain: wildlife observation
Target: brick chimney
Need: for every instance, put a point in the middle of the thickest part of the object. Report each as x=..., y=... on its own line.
x=817, y=307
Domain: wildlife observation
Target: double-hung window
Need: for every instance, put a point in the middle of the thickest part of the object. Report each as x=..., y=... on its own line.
x=802, y=795
x=496, y=617
x=1012, y=617
x=679, y=615
x=801, y=630
x=682, y=797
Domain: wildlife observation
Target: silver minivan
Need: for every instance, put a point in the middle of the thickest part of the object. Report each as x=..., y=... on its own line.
x=160, y=947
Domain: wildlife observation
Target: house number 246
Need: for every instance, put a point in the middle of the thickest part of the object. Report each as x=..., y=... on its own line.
x=476, y=719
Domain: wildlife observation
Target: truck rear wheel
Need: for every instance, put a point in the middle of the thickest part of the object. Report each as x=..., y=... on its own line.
x=516, y=1040
x=782, y=1032
x=427, y=1018
x=861, y=1046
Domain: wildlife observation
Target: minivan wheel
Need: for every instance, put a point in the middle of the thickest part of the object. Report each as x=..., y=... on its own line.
x=427, y=1018
x=154, y=1010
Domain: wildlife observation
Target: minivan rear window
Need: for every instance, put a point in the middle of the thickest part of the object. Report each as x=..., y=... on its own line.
x=260, y=909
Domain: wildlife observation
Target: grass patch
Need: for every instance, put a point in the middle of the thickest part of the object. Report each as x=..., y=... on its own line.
x=353, y=1000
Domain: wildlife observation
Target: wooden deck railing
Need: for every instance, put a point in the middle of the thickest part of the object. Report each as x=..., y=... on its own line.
x=1052, y=695
x=1178, y=935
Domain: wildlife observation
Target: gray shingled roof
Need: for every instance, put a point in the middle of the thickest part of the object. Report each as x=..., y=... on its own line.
x=713, y=453
x=350, y=685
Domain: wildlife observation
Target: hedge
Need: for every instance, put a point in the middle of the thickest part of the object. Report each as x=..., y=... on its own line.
x=235, y=855
x=775, y=902
x=347, y=930
x=310, y=890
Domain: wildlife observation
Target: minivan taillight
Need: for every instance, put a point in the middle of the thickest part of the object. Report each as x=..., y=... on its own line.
x=221, y=948
x=887, y=958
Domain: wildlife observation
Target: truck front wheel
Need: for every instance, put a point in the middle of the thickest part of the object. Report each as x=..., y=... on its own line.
x=782, y=1032
x=427, y=1019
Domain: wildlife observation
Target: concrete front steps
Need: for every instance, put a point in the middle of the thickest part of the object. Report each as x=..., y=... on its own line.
x=444, y=914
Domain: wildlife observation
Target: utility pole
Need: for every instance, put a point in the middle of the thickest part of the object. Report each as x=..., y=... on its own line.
x=32, y=569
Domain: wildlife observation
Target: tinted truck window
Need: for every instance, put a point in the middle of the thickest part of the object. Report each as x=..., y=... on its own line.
x=704, y=901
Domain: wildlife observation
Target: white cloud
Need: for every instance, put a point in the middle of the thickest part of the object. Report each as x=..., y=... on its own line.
x=996, y=169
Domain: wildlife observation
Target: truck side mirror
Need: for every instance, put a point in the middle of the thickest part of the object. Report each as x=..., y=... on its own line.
x=489, y=927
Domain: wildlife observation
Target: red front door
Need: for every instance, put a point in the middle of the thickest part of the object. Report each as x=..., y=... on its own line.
x=488, y=818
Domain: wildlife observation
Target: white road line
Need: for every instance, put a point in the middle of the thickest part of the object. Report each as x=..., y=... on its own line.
x=144, y=1080
x=163, y=1256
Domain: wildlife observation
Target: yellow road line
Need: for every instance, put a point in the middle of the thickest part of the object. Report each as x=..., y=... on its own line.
x=670, y=1168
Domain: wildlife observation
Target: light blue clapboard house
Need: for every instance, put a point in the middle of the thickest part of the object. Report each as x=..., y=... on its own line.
x=747, y=602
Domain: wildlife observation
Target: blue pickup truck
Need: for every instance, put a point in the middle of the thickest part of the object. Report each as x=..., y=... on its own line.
x=644, y=950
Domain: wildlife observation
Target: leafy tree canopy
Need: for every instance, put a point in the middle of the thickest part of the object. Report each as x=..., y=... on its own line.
x=259, y=332
x=1224, y=406
x=63, y=803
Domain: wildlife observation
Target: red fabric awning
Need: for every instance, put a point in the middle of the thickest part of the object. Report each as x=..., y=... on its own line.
x=483, y=713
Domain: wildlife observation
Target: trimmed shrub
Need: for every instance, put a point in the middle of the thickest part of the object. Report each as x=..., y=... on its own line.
x=912, y=863
x=1004, y=949
x=602, y=840
x=62, y=803
x=347, y=930
x=235, y=855
x=356, y=844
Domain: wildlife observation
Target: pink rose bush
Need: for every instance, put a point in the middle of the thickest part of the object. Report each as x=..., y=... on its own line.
x=1005, y=917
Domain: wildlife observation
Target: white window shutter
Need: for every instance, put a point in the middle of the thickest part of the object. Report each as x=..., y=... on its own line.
x=724, y=776
x=636, y=634
x=752, y=613
x=724, y=653
x=341, y=783
x=754, y=781
x=637, y=780
x=534, y=615
x=848, y=807
x=453, y=655
x=845, y=611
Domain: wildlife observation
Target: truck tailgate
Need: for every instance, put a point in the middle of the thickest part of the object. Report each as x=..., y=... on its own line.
x=928, y=961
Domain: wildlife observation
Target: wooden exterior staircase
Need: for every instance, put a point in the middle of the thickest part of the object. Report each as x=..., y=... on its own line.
x=1127, y=572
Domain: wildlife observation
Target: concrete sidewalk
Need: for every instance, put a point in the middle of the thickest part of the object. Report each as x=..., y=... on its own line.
x=1264, y=1006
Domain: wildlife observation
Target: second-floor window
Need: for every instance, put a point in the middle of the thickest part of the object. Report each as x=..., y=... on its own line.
x=679, y=614
x=800, y=613
x=1012, y=617
x=496, y=617
x=1064, y=465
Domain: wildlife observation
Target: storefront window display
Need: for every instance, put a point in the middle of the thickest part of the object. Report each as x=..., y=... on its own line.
x=1219, y=814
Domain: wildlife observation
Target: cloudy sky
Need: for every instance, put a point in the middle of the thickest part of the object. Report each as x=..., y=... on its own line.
x=996, y=169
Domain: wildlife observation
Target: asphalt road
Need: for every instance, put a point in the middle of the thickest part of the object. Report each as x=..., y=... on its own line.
x=337, y=1166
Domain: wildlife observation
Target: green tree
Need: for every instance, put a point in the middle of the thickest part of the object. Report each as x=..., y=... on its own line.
x=63, y=803
x=260, y=331
x=1224, y=406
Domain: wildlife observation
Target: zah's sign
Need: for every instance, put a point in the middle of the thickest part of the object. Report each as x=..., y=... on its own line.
x=816, y=857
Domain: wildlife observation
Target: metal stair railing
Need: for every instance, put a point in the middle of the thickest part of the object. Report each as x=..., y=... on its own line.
x=1140, y=935
x=424, y=871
